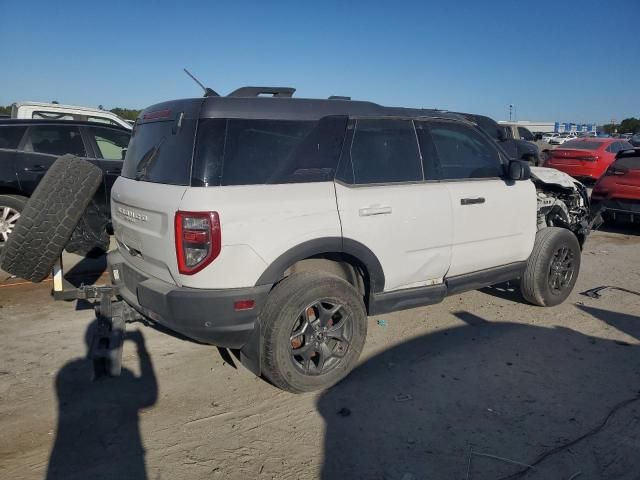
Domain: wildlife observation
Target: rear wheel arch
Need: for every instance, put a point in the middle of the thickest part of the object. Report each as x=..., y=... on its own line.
x=345, y=258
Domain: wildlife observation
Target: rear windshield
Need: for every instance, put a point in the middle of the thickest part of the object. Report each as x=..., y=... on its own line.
x=160, y=152
x=259, y=151
x=582, y=145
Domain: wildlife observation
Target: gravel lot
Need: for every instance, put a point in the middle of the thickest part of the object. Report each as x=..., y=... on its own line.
x=454, y=390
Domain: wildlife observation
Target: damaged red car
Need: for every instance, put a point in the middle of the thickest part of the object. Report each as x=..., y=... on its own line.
x=617, y=192
x=586, y=158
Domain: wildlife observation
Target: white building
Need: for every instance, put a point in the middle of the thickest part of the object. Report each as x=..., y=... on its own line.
x=548, y=127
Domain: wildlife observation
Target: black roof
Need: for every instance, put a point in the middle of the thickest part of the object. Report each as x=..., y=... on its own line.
x=30, y=121
x=286, y=108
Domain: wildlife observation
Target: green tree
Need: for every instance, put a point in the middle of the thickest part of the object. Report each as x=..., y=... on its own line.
x=629, y=125
x=5, y=110
x=126, y=113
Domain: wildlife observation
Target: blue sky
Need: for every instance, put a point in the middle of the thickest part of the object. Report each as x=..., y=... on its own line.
x=566, y=61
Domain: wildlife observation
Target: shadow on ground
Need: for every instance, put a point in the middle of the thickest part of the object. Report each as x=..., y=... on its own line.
x=87, y=271
x=624, y=228
x=463, y=402
x=98, y=434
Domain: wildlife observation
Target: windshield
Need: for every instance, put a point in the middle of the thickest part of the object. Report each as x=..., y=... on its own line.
x=582, y=145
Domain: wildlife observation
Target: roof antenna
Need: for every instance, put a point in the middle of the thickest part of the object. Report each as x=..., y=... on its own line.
x=207, y=91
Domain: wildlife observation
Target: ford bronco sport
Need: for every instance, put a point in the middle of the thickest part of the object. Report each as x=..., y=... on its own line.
x=274, y=226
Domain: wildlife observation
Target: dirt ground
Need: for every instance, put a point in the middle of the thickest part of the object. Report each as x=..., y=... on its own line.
x=460, y=390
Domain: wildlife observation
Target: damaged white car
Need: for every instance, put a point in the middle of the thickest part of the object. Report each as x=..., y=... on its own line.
x=274, y=226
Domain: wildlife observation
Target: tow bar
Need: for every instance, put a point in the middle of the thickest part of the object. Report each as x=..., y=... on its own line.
x=106, y=344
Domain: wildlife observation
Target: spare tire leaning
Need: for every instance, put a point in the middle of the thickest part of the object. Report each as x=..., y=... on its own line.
x=49, y=218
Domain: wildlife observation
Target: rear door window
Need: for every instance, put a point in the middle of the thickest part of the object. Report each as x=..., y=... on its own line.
x=385, y=151
x=262, y=151
x=525, y=134
x=464, y=153
x=111, y=143
x=55, y=140
x=161, y=152
x=630, y=163
x=10, y=136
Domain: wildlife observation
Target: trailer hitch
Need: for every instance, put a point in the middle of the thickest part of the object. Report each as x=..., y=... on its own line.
x=105, y=349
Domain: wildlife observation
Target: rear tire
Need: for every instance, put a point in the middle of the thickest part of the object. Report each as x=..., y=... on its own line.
x=10, y=206
x=314, y=326
x=49, y=217
x=552, y=268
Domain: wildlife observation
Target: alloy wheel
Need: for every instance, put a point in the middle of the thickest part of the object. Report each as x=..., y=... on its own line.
x=562, y=269
x=8, y=218
x=320, y=337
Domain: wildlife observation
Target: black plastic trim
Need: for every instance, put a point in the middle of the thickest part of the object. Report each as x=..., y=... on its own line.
x=484, y=278
x=205, y=315
x=387, y=302
x=326, y=245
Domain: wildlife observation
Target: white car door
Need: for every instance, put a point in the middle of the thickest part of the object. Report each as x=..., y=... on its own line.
x=494, y=219
x=385, y=203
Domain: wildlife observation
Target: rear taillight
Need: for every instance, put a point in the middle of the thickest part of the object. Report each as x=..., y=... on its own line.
x=198, y=240
x=588, y=158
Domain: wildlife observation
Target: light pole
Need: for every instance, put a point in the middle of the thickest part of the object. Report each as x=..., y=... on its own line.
x=510, y=110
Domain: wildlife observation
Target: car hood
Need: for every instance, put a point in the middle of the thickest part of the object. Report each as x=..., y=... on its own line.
x=551, y=176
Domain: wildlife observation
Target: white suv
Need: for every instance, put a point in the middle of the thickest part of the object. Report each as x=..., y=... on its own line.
x=274, y=226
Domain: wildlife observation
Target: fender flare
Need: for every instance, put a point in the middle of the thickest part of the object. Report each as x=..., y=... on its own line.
x=325, y=245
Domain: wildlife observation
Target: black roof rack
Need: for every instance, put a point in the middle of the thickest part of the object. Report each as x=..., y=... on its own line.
x=281, y=92
x=339, y=97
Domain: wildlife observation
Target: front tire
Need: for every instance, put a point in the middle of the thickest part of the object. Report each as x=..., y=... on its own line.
x=553, y=267
x=314, y=326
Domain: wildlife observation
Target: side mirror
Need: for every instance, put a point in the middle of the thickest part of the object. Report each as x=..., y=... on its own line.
x=124, y=153
x=519, y=170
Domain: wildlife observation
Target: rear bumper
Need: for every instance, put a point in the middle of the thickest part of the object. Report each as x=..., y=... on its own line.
x=623, y=208
x=591, y=172
x=204, y=315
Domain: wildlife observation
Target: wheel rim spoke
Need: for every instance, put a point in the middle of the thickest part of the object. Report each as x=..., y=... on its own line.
x=5, y=212
x=562, y=268
x=320, y=338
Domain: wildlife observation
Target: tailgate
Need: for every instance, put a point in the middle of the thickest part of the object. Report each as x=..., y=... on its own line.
x=143, y=215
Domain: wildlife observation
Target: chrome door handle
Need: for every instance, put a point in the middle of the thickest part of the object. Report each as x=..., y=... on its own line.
x=471, y=201
x=377, y=210
x=35, y=168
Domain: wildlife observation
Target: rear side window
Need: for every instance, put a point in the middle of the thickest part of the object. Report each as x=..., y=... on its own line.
x=160, y=152
x=55, y=140
x=385, y=151
x=52, y=116
x=260, y=151
x=10, y=136
x=630, y=163
x=111, y=143
x=464, y=153
x=525, y=134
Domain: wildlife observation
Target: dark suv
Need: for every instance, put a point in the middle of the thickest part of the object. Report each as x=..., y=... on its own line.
x=517, y=149
x=29, y=147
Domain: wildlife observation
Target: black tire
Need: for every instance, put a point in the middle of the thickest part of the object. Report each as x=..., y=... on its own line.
x=49, y=218
x=301, y=296
x=9, y=206
x=553, y=267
